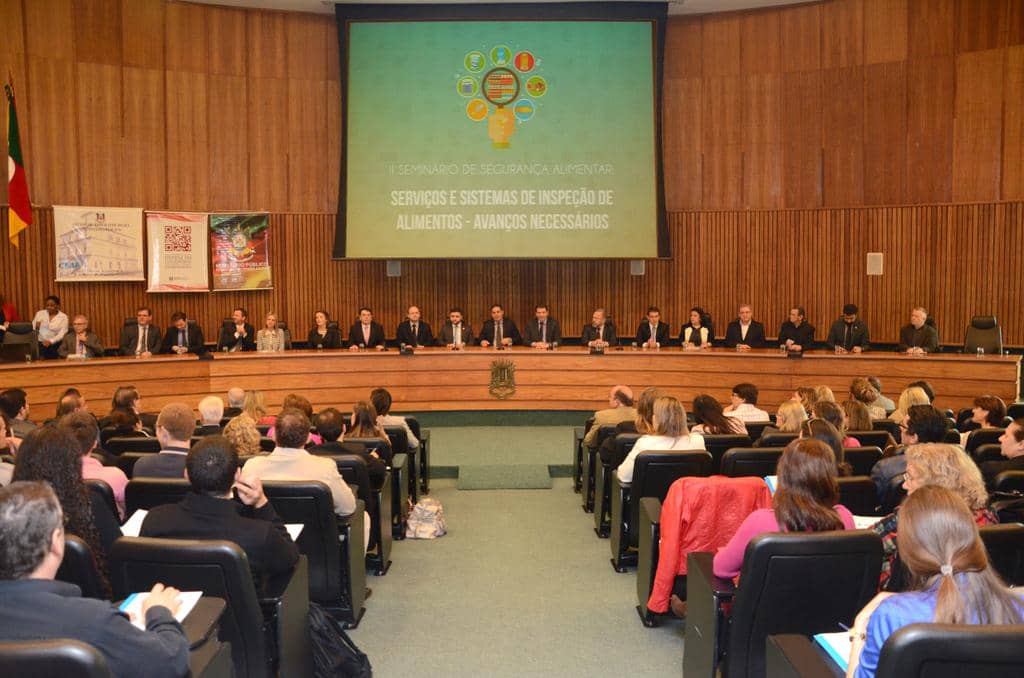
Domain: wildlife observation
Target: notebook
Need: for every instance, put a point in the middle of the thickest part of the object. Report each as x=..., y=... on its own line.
x=837, y=645
x=772, y=482
x=132, y=606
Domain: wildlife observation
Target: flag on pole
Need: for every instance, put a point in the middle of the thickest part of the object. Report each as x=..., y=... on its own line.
x=20, y=210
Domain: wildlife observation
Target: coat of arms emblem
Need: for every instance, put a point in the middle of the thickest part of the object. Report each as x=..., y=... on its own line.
x=503, y=379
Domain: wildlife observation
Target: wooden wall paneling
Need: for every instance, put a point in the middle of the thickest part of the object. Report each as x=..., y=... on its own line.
x=188, y=37
x=760, y=42
x=761, y=138
x=269, y=131
x=1014, y=22
x=227, y=41
x=800, y=30
x=188, y=148
x=143, y=166
x=981, y=24
x=228, y=125
x=97, y=25
x=142, y=33
x=1013, y=125
x=932, y=26
x=885, y=31
x=977, y=129
x=307, y=36
x=1011, y=229
x=332, y=148
x=684, y=48
x=307, y=136
x=842, y=34
x=49, y=27
x=801, y=139
x=49, y=123
x=682, y=142
x=885, y=133
x=843, y=136
x=12, y=60
x=722, y=166
x=100, y=132
x=720, y=45
x=267, y=45
x=931, y=86
x=331, y=53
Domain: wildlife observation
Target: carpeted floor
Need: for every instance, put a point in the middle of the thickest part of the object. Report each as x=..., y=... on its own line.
x=504, y=477
x=453, y=447
x=520, y=586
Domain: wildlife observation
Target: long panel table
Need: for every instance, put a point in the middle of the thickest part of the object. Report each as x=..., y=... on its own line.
x=566, y=379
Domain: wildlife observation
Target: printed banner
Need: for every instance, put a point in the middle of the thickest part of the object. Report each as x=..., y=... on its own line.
x=241, y=251
x=98, y=243
x=177, y=252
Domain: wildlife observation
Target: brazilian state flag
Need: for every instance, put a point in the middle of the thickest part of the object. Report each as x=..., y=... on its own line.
x=20, y=211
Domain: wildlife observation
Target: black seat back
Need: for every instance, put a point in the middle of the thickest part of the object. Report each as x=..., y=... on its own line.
x=654, y=471
x=982, y=436
x=799, y=583
x=126, y=461
x=859, y=495
x=79, y=568
x=717, y=444
x=147, y=493
x=985, y=333
x=952, y=436
x=862, y=459
x=1015, y=411
x=217, y=568
x=878, y=438
x=953, y=651
x=750, y=461
x=777, y=439
x=398, y=437
x=888, y=425
x=52, y=658
x=376, y=444
x=893, y=495
x=603, y=433
x=117, y=445
x=1009, y=481
x=624, y=443
x=756, y=428
x=1005, y=546
x=99, y=488
x=987, y=452
x=267, y=444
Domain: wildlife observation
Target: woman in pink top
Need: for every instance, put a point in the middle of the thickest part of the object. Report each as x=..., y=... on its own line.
x=807, y=501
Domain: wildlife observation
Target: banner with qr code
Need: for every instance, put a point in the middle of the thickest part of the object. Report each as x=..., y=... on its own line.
x=98, y=243
x=241, y=251
x=177, y=252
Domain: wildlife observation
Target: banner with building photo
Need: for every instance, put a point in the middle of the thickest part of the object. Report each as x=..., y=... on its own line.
x=98, y=243
x=240, y=245
x=177, y=252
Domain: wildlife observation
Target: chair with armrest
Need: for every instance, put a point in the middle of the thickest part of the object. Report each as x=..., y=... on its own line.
x=1009, y=481
x=1005, y=546
x=579, y=432
x=879, y=438
x=862, y=459
x=52, y=658
x=987, y=452
x=353, y=469
x=793, y=582
x=984, y=333
x=756, y=428
x=776, y=439
x=717, y=444
x=337, y=569
x=590, y=463
x=399, y=465
x=953, y=651
x=101, y=489
x=859, y=495
x=148, y=493
x=624, y=442
x=400, y=443
x=982, y=436
x=423, y=435
x=21, y=340
x=759, y=462
x=888, y=425
x=117, y=445
x=126, y=461
x=79, y=568
x=283, y=326
x=654, y=471
x=217, y=568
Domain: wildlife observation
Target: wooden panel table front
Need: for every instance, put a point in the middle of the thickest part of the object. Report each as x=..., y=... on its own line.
x=566, y=379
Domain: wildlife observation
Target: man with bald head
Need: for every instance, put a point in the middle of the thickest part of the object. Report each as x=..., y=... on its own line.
x=620, y=408
x=236, y=400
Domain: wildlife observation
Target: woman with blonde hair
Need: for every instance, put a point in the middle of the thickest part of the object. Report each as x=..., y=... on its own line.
x=938, y=464
x=823, y=394
x=914, y=395
x=806, y=396
x=952, y=579
x=668, y=432
x=242, y=433
x=645, y=408
x=857, y=415
x=271, y=338
x=788, y=419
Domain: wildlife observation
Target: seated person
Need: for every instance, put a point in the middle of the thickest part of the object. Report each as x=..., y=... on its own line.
x=795, y=334
x=123, y=424
x=239, y=335
x=668, y=422
x=743, y=403
x=835, y=415
x=698, y=332
x=788, y=418
x=380, y=398
x=807, y=396
x=883, y=402
x=862, y=391
x=182, y=338
x=141, y=339
x=848, y=334
x=620, y=408
x=857, y=417
x=819, y=429
x=51, y=324
x=14, y=405
x=543, y=331
x=291, y=461
x=912, y=395
x=271, y=338
x=241, y=432
x=174, y=428
x=37, y=607
x=499, y=330
x=456, y=332
x=987, y=413
x=807, y=500
x=925, y=386
x=128, y=399
x=414, y=331
x=939, y=544
x=918, y=338
x=211, y=411
x=364, y=425
x=712, y=420
x=8, y=445
x=82, y=427
x=1011, y=445
x=294, y=401
x=331, y=425
x=322, y=336
x=256, y=407
x=932, y=464
x=652, y=333
x=210, y=512
x=236, y=400
x=640, y=423
x=600, y=333
x=366, y=332
x=745, y=333
x=922, y=424
x=82, y=342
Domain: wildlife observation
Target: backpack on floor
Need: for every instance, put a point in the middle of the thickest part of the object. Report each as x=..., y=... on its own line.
x=426, y=520
x=334, y=653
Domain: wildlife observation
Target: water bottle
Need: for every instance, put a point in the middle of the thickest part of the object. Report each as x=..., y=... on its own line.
x=981, y=352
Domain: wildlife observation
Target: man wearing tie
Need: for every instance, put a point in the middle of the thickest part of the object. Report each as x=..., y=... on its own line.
x=600, y=333
x=238, y=335
x=143, y=338
x=80, y=341
x=183, y=338
x=543, y=331
x=848, y=334
x=652, y=333
x=455, y=333
x=366, y=333
x=499, y=330
x=414, y=332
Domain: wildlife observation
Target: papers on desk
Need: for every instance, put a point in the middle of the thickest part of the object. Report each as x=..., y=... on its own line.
x=865, y=522
x=133, y=525
x=132, y=606
x=837, y=645
x=772, y=482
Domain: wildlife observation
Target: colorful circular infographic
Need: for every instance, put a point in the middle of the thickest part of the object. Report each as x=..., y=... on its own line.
x=467, y=86
x=536, y=86
x=475, y=61
x=476, y=109
x=500, y=86
x=523, y=110
x=501, y=55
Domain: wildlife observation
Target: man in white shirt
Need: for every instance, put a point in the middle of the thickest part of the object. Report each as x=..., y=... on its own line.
x=744, y=399
x=52, y=324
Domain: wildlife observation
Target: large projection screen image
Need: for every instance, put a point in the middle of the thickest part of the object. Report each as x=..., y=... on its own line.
x=484, y=139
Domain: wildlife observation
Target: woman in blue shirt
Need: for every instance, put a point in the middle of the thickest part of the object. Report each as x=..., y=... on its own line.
x=949, y=567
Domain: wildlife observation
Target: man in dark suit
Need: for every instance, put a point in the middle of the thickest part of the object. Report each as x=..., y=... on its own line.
x=238, y=335
x=1011, y=445
x=456, y=332
x=499, y=330
x=211, y=411
x=174, y=428
x=330, y=425
x=236, y=400
x=600, y=332
x=652, y=333
x=848, y=334
x=745, y=333
x=795, y=334
x=414, y=331
x=918, y=337
x=182, y=337
x=366, y=332
x=209, y=512
x=143, y=338
x=543, y=331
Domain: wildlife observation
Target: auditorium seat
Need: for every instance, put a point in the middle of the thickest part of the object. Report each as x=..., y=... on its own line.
x=147, y=493
x=756, y=428
x=400, y=443
x=859, y=495
x=1005, y=546
x=267, y=444
x=263, y=429
x=117, y=445
x=654, y=471
x=20, y=340
x=79, y=568
x=1015, y=411
x=590, y=463
x=952, y=437
x=759, y=462
x=648, y=556
x=579, y=432
x=985, y=333
x=718, y=443
x=790, y=583
x=52, y=659
x=887, y=425
x=862, y=459
x=624, y=443
x=982, y=436
x=893, y=495
x=353, y=469
x=1009, y=481
x=101, y=489
x=877, y=438
x=423, y=435
x=126, y=461
x=777, y=439
x=988, y=452
x=951, y=651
